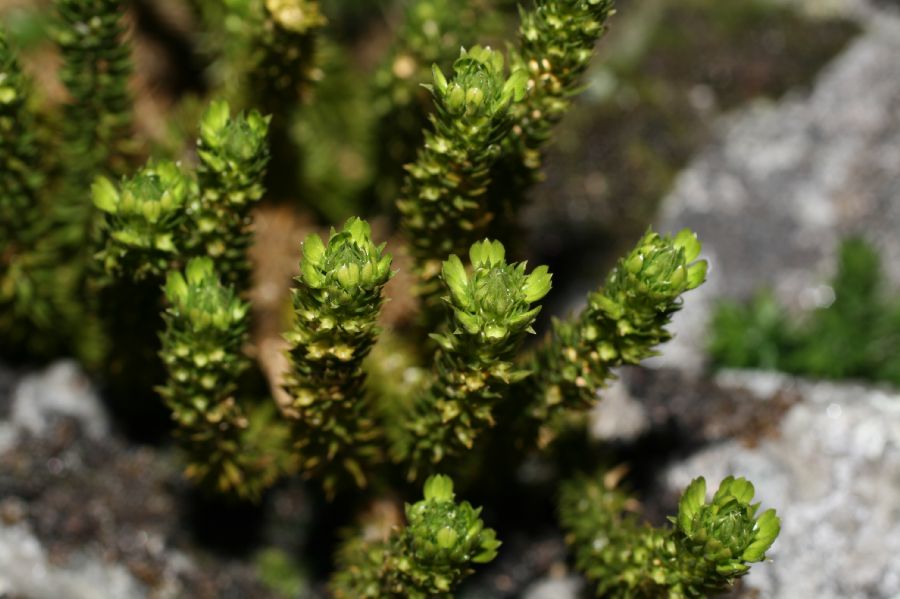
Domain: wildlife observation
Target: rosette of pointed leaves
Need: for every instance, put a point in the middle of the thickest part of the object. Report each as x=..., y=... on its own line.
x=432, y=32
x=443, y=534
x=234, y=154
x=710, y=547
x=721, y=537
x=442, y=205
x=427, y=559
x=336, y=306
x=206, y=325
x=145, y=216
x=491, y=311
x=20, y=175
x=623, y=323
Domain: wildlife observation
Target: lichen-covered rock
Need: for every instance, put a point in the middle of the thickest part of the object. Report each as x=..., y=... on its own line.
x=561, y=587
x=27, y=570
x=31, y=404
x=86, y=514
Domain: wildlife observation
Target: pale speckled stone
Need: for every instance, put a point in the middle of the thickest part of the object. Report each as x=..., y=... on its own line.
x=26, y=570
x=619, y=417
x=61, y=389
x=567, y=587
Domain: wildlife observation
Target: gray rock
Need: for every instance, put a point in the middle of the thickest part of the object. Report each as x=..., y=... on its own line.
x=690, y=408
x=61, y=389
x=860, y=9
x=86, y=513
x=565, y=587
x=619, y=417
x=773, y=198
x=26, y=570
x=833, y=473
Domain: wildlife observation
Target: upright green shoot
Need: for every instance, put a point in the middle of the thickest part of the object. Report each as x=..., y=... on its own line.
x=428, y=558
x=443, y=205
x=490, y=313
x=336, y=306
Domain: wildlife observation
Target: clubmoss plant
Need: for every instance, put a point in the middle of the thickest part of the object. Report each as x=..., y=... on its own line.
x=95, y=140
x=154, y=221
x=441, y=202
x=437, y=549
x=19, y=179
x=556, y=44
x=234, y=155
x=336, y=305
x=23, y=306
x=206, y=327
x=281, y=74
x=50, y=305
x=145, y=218
x=490, y=313
x=165, y=214
x=286, y=51
x=95, y=71
x=623, y=323
x=711, y=545
x=432, y=32
x=263, y=56
x=85, y=248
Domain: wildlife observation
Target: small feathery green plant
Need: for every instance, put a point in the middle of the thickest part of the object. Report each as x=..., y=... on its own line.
x=854, y=335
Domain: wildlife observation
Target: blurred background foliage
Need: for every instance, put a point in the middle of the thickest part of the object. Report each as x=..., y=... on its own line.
x=855, y=333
